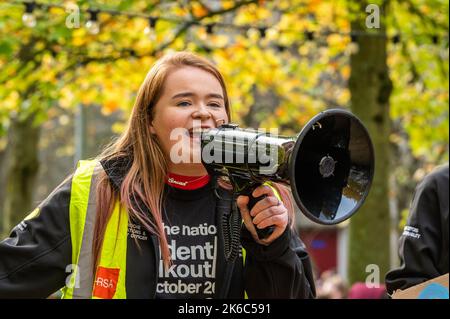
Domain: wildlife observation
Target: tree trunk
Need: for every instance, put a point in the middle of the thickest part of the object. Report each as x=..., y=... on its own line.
x=370, y=88
x=2, y=187
x=21, y=170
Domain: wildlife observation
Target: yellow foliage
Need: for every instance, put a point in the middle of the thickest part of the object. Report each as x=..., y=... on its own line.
x=79, y=37
x=325, y=13
x=88, y=96
x=110, y=106
x=337, y=41
x=11, y=101
x=118, y=127
x=67, y=97
x=345, y=71
x=343, y=96
x=227, y=4
x=248, y=62
x=180, y=11
x=313, y=5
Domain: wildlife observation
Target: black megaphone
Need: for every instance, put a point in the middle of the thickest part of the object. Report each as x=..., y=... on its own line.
x=329, y=166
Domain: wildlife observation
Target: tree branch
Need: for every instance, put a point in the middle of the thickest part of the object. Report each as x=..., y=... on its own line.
x=186, y=25
x=425, y=18
x=407, y=55
x=328, y=102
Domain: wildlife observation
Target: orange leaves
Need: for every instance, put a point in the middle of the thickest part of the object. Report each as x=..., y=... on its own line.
x=227, y=4
x=109, y=106
x=199, y=10
x=280, y=112
x=313, y=4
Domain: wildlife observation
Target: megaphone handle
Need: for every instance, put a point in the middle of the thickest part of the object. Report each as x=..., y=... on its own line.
x=264, y=232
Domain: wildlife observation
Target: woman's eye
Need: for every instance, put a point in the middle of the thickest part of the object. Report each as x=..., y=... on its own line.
x=184, y=103
x=215, y=105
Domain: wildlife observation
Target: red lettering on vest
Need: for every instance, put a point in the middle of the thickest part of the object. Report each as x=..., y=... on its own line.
x=105, y=283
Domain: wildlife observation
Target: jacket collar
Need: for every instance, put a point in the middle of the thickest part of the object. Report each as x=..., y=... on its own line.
x=116, y=168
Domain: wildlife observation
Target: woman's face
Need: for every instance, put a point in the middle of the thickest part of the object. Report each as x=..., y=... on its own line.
x=191, y=99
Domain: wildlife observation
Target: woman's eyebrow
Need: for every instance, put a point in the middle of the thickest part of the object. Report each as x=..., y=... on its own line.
x=190, y=94
x=214, y=95
x=183, y=94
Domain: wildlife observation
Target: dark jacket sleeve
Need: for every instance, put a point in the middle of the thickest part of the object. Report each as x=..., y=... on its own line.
x=33, y=259
x=423, y=245
x=280, y=270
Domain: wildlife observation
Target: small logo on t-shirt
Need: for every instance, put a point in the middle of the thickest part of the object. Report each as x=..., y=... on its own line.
x=137, y=232
x=106, y=282
x=412, y=232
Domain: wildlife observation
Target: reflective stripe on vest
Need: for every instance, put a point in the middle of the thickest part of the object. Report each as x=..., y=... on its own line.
x=111, y=271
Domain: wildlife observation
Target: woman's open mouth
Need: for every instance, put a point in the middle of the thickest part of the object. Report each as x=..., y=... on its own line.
x=196, y=132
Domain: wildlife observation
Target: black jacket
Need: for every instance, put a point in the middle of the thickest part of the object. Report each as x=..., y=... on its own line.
x=423, y=246
x=35, y=260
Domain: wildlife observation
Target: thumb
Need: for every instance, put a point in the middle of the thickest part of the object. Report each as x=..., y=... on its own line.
x=242, y=202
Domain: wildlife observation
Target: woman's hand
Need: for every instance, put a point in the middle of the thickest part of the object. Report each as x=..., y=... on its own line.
x=267, y=212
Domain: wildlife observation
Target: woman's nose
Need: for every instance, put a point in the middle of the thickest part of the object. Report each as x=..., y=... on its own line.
x=201, y=113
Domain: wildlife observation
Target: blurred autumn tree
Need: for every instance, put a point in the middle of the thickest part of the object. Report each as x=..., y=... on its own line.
x=297, y=59
x=381, y=77
x=370, y=90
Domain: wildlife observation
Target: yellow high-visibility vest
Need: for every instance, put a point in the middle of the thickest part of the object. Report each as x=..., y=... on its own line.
x=113, y=255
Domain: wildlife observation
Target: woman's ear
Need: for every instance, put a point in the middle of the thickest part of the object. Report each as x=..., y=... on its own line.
x=152, y=129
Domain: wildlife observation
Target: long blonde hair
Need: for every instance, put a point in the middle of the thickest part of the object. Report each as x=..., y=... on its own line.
x=143, y=183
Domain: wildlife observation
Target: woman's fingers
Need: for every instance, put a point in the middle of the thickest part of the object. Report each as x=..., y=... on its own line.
x=268, y=215
x=268, y=212
x=241, y=203
x=267, y=202
x=263, y=190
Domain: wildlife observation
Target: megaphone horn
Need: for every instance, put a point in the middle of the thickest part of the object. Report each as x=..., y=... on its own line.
x=329, y=165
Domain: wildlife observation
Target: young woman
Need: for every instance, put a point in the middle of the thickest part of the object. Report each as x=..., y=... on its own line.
x=135, y=223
